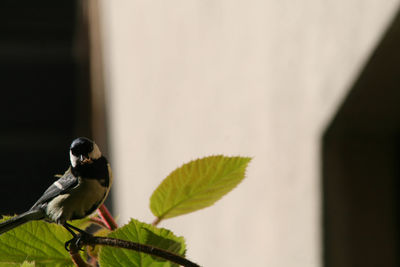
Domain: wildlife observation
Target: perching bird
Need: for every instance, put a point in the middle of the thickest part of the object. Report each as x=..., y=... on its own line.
x=76, y=194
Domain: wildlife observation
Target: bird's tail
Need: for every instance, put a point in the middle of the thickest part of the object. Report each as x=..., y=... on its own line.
x=30, y=215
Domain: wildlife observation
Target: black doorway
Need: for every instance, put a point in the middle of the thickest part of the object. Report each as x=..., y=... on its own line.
x=361, y=165
x=44, y=94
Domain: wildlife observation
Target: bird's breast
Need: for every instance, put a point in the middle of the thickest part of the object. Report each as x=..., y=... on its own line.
x=79, y=202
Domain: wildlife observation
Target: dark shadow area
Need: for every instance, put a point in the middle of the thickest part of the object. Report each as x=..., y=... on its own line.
x=361, y=165
x=44, y=95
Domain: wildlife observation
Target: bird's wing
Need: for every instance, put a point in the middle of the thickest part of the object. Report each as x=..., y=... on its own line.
x=59, y=187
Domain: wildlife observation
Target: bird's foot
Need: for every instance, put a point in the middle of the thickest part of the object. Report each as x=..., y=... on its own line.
x=76, y=243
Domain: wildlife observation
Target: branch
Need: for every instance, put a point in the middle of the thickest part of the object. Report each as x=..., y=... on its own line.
x=90, y=240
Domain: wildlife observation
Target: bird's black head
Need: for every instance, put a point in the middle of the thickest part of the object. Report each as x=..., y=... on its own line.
x=83, y=151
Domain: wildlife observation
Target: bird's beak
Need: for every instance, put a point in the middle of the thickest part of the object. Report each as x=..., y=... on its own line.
x=84, y=160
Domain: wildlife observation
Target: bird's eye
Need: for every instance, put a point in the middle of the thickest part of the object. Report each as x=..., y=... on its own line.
x=76, y=151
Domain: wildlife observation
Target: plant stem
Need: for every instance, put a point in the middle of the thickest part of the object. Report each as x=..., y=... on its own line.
x=99, y=221
x=76, y=258
x=156, y=221
x=90, y=240
x=107, y=218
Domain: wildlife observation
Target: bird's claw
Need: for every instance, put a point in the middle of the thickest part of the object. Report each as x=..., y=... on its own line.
x=67, y=244
x=76, y=243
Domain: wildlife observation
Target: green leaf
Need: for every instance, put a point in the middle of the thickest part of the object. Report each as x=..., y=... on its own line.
x=36, y=241
x=24, y=264
x=28, y=264
x=141, y=233
x=82, y=223
x=197, y=185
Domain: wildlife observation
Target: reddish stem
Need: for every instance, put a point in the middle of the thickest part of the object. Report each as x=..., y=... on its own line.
x=99, y=221
x=107, y=218
x=76, y=257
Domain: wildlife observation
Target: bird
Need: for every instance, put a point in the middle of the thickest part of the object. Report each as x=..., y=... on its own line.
x=75, y=195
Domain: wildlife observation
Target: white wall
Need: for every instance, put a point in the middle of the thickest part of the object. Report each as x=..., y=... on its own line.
x=190, y=78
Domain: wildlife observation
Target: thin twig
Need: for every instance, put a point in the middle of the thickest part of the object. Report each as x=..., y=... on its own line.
x=107, y=218
x=90, y=240
x=98, y=221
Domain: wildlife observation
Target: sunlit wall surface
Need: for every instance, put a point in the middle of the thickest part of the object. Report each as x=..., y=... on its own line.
x=186, y=79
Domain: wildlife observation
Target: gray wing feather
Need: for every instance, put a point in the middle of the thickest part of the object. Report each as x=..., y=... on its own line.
x=61, y=186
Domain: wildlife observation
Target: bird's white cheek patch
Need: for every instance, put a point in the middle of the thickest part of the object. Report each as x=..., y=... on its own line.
x=73, y=159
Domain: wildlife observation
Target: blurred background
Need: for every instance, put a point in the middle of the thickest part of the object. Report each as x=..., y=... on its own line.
x=310, y=89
